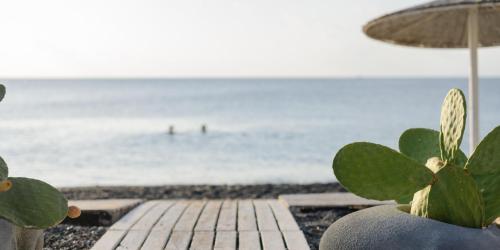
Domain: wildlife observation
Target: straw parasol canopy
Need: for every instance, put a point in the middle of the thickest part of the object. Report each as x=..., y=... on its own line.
x=445, y=24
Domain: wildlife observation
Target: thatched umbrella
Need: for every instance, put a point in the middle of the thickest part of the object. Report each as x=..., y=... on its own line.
x=446, y=24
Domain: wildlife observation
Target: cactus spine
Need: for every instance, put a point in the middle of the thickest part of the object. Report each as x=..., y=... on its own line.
x=431, y=171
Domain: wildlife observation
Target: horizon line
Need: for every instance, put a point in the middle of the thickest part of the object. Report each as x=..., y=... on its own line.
x=245, y=78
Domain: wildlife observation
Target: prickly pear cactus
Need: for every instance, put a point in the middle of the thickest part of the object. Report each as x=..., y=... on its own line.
x=431, y=171
x=29, y=203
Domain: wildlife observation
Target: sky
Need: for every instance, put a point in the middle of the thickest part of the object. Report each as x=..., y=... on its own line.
x=216, y=38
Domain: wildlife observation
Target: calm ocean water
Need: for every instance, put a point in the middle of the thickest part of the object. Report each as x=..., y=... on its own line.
x=114, y=132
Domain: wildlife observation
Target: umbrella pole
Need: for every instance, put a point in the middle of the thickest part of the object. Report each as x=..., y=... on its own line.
x=473, y=33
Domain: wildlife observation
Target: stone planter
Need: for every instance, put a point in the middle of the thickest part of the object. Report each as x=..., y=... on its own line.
x=387, y=227
x=16, y=238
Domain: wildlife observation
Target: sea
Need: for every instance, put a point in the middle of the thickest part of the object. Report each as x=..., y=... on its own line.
x=72, y=132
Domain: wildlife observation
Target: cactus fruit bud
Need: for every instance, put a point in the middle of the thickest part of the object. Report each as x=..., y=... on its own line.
x=5, y=186
x=435, y=164
x=74, y=212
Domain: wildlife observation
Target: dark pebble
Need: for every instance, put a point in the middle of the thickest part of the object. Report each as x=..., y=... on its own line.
x=69, y=237
x=314, y=221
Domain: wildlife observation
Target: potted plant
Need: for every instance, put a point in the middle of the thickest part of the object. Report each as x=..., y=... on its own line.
x=446, y=199
x=27, y=206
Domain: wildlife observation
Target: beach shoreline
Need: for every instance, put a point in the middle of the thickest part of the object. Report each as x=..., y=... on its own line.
x=196, y=191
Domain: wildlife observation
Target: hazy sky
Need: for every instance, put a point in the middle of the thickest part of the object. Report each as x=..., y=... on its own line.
x=216, y=38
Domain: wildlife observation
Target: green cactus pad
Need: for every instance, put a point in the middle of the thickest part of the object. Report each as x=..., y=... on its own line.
x=454, y=198
x=377, y=172
x=484, y=166
x=422, y=144
x=2, y=92
x=453, y=117
x=32, y=204
x=405, y=200
x=4, y=170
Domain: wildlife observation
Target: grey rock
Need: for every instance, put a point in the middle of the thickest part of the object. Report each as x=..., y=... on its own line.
x=387, y=227
x=15, y=238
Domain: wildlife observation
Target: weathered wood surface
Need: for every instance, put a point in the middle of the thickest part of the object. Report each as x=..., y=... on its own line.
x=227, y=216
x=265, y=216
x=249, y=240
x=225, y=240
x=246, y=216
x=199, y=224
x=101, y=212
x=329, y=200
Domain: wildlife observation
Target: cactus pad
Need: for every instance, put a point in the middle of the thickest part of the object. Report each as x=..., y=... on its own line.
x=2, y=92
x=484, y=166
x=422, y=144
x=4, y=170
x=453, y=117
x=32, y=204
x=454, y=197
x=377, y=172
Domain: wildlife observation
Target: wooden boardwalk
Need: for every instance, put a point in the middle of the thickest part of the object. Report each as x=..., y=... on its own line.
x=205, y=224
x=330, y=200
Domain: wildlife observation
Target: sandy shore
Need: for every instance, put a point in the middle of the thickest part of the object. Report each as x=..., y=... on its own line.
x=311, y=221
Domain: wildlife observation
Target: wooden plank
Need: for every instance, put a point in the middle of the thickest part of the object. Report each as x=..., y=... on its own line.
x=272, y=240
x=133, y=240
x=295, y=240
x=208, y=217
x=101, y=212
x=149, y=220
x=168, y=220
x=202, y=240
x=179, y=240
x=189, y=217
x=330, y=200
x=156, y=240
x=227, y=216
x=285, y=219
x=104, y=205
x=246, y=216
x=225, y=240
x=265, y=216
x=249, y=240
x=110, y=240
x=140, y=231
x=159, y=235
x=133, y=216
